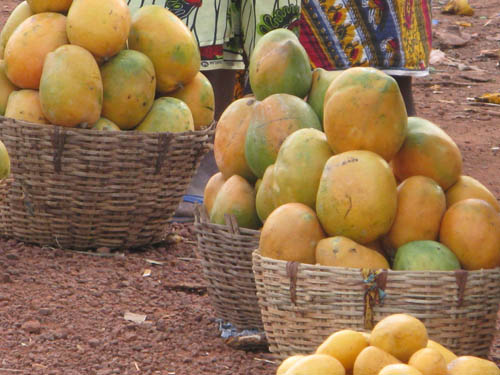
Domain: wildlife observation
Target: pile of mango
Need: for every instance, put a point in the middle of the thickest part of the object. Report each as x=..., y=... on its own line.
x=397, y=345
x=89, y=63
x=333, y=171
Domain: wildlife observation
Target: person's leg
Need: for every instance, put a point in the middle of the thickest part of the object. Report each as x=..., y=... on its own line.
x=405, y=85
x=222, y=81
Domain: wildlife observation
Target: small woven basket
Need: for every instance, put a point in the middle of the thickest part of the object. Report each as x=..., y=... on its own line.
x=303, y=304
x=81, y=189
x=225, y=252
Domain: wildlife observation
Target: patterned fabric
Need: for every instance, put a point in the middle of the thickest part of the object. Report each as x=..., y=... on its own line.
x=391, y=35
x=261, y=16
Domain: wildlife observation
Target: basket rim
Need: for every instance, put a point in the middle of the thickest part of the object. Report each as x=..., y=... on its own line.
x=319, y=268
x=122, y=133
x=202, y=218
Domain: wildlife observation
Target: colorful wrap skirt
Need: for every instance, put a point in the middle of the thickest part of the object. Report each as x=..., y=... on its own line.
x=391, y=35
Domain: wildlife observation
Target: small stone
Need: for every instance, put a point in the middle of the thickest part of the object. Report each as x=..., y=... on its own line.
x=32, y=326
x=94, y=343
x=47, y=337
x=45, y=311
x=4, y=297
x=161, y=325
x=12, y=256
x=130, y=337
x=5, y=278
x=61, y=334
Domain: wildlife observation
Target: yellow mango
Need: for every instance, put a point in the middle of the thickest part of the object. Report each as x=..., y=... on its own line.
x=6, y=87
x=25, y=105
x=399, y=369
x=105, y=124
x=29, y=45
x=400, y=335
x=447, y=354
x=291, y=233
x=264, y=200
x=429, y=362
x=129, y=84
x=418, y=197
x=100, y=26
x=167, y=115
x=40, y=6
x=343, y=252
x=371, y=360
x=198, y=94
x=344, y=345
x=211, y=189
x=4, y=162
x=469, y=365
x=169, y=43
x=287, y=363
x=74, y=97
x=18, y=15
x=468, y=187
x=317, y=364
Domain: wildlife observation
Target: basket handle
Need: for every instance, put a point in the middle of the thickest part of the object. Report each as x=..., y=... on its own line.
x=375, y=284
x=232, y=223
x=292, y=269
x=461, y=280
x=163, y=143
x=58, y=141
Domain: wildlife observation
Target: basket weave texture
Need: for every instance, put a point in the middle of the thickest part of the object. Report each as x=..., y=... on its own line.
x=81, y=189
x=495, y=344
x=303, y=304
x=225, y=252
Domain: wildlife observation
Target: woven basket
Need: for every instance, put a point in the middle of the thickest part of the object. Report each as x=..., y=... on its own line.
x=302, y=304
x=495, y=344
x=225, y=252
x=5, y=226
x=80, y=189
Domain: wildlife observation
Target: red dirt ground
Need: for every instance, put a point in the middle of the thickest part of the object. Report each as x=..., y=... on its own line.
x=62, y=312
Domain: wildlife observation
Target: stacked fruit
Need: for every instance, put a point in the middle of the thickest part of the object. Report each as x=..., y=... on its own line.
x=88, y=63
x=322, y=174
x=397, y=345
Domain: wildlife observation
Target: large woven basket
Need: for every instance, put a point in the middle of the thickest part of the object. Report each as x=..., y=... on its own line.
x=79, y=188
x=225, y=252
x=495, y=344
x=302, y=304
